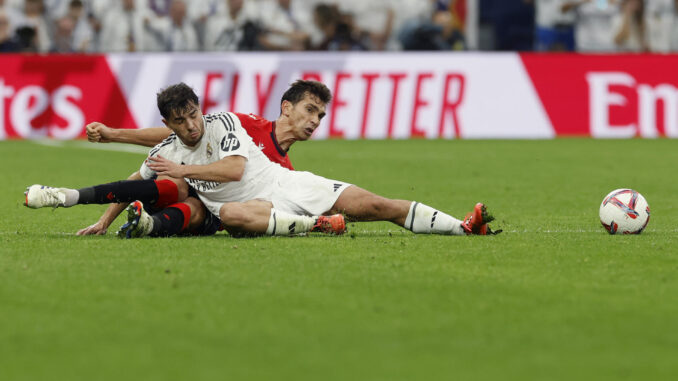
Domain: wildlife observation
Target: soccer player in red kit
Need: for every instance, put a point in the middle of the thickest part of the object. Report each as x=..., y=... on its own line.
x=262, y=132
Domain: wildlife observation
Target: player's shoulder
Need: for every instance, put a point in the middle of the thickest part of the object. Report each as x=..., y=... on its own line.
x=226, y=120
x=254, y=122
x=164, y=145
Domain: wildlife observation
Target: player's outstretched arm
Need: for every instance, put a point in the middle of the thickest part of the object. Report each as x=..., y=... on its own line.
x=101, y=227
x=112, y=212
x=230, y=168
x=148, y=137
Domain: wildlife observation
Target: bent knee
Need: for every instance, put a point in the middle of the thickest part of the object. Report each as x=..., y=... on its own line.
x=198, y=211
x=232, y=214
x=181, y=185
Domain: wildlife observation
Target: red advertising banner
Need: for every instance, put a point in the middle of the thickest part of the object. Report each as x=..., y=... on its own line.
x=55, y=96
x=607, y=96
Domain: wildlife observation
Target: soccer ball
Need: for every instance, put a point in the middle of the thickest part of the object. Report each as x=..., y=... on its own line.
x=624, y=211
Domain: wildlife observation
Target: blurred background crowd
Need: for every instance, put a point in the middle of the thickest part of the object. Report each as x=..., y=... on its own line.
x=88, y=26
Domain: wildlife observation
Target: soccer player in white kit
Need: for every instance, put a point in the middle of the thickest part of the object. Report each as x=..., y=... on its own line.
x=226, y=167
x=251, y=194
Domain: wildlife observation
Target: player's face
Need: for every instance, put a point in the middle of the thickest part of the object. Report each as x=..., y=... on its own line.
x=305, y=116
x=187, y=124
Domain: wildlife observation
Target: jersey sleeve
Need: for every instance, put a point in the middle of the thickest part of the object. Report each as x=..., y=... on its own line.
x=160, y=149
x=145, y=172
x=254, y=124
x=230, y=136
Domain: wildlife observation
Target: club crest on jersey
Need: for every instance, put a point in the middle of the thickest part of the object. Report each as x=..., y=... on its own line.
x=209, y=150
x=230, y=143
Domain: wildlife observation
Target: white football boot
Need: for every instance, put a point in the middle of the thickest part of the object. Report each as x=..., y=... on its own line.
x=40, y=196
x=139, y=223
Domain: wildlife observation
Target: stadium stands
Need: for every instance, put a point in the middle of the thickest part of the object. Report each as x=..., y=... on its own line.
x=91, y=26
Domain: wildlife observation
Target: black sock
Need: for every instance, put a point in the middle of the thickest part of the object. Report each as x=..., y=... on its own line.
x=167, y=222
x=145, y=191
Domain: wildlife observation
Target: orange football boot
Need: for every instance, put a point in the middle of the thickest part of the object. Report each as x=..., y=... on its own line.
x=476, y=221
x=334, y=224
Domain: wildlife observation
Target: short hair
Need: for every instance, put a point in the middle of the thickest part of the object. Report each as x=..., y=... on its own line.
x=301, y=87
x=176, y=98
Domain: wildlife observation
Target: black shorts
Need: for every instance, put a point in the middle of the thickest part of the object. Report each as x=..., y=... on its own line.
x=210, y=225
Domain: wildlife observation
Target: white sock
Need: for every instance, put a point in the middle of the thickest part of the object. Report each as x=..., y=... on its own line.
x=281, y=223
x=72, y=196
x=424, y=219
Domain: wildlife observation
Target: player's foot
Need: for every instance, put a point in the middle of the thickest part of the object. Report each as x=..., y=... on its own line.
x=334, y=224
x=40, y=196
x=476, y=221
x=139, y=223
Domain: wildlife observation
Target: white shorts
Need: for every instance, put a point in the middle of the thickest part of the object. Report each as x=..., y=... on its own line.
x=304, y=193
x=301, y=193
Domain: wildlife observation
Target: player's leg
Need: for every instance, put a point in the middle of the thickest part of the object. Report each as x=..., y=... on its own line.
x=361, y=205
x=358, y=204
x=186, y=216
x=258, y=217
x=245, y=219
x=162, y=191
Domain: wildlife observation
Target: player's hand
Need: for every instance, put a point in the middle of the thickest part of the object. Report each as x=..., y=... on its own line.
x=98, y=133
x=94, y=229
x=165, y=167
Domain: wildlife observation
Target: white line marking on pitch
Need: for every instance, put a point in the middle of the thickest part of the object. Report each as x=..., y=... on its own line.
x=96, y=146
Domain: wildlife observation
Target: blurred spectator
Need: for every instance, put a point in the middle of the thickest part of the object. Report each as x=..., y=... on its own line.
x=227, y=25
x=11, y=4
x=160, y=8
x=337, y=29
x=200, y=12
x=56, y=9
x=225, y=30
x=7, y=43
x=554, y=29
x=34, y=17
x=174, y=33
x=372, y=20
x=284, y=25
x=325, y=18
x=98, y=9
x=83, y=34
x=629, y=27
x=123, y=28
x=27, y=38
x=63, y=36
x=407, y=14
x=661, y=25
x=441, y=31
x=594, y=29
x=12, y=13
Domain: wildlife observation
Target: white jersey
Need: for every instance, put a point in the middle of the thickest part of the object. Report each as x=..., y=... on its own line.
x=224, y=136
x=594, y=29
x=549, y=14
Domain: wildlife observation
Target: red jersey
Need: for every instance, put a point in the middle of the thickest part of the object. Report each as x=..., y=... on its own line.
x=262, y=132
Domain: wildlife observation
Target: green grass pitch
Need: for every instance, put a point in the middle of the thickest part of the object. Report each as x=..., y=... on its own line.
x=552, y=298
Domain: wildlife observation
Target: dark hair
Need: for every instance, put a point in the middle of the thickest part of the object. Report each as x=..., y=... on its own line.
x=300, y=88
x=176, y=98
x=326, y=14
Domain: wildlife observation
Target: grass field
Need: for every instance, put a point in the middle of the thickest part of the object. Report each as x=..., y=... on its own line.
x=552, y=298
